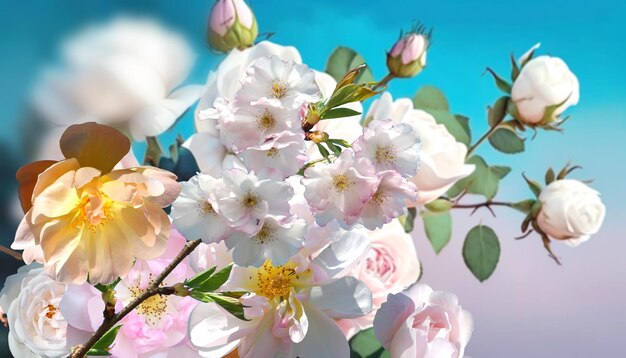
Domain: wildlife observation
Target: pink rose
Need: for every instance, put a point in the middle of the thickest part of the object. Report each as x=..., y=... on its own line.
x=390, y=267
x=420, y=322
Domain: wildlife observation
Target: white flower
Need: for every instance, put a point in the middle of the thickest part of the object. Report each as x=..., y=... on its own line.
x=243, y=125
x=195, y=212
x=248, y=200
x=442, y=158
x=339, y=190
x=389, y=200
x=423, y=323
x=544, y=82
x=570, y=211
x=36, y=326
x=276, y=240
x=124, y=73
x=389, y=146
x=291, y=312
x=282, y=155
x=226, y=81
x=284, y=83
x=206, y=256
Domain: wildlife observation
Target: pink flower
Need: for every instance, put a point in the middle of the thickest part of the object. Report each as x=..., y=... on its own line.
x=281, y=156
x=340, y=190
x=158, y=325
x=389, y=146
x=388, y=202
x=420, y=322
x=410, y=48
x=248, y=199
x=390, y=266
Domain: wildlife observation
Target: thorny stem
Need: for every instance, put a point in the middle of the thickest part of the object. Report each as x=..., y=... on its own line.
x=486, y=204
x=154, y=289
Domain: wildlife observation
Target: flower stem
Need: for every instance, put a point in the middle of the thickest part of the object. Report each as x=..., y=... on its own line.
x=482, y=139
x=154, y=289
x=384, y=81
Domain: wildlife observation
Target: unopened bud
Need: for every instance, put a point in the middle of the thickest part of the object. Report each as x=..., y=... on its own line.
x=232, y=25
x=317, y=137
x=407, y=57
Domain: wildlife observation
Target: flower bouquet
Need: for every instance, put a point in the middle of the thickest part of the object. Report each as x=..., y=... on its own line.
x=282, y=227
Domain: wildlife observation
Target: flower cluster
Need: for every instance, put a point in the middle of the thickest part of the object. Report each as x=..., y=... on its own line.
x=282, y=227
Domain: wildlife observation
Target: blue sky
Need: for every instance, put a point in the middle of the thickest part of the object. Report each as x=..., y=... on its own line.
x=469, y=36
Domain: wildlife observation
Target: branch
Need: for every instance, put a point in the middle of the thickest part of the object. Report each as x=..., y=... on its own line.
x=486, y=204
x=16, y=255
x=154, y=289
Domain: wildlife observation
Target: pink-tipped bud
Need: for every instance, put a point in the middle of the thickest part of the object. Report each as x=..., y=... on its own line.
x=407, y=57
x=232, y=25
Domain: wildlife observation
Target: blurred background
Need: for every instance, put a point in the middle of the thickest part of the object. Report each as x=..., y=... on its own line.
x=530, y=307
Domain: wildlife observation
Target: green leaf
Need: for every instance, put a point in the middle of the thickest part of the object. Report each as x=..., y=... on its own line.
x=514, y=68
x=323, y=151
x=503, y=85
x=93, y=352
x=365, y=345
x=453, y=125
x=408, y=220
x=496, y=114
x=438, y=227
x=483, y=181
x=430, y=98
x=342, y=60
x=230, y=304
x=107, y=339
x=506, y=141
x=439, y=205
x=217, y=280
x=200, y=278
x=500, y=170
x=464, y=122
x=346, y=94
x=340, y=113
x=481, y=251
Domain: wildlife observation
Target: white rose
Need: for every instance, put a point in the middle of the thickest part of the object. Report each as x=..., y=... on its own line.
x=442, y=158
x=36, y=326
x=543, y=82
x=570, y=211
x=123, y=73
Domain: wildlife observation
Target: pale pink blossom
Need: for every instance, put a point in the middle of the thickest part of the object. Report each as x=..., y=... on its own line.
x=248, y=199
x=389, y=200
x=423, y=323
x=225, y=12
x=389, y=146
x=281, y=156
x=277, y=240
x=195, y=212
x=284, y=83
x=340, y=190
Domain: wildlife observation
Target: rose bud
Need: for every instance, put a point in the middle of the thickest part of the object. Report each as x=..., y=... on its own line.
x=544, y=89
x=232, y=25
x=407, y=57
x=570, y=211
